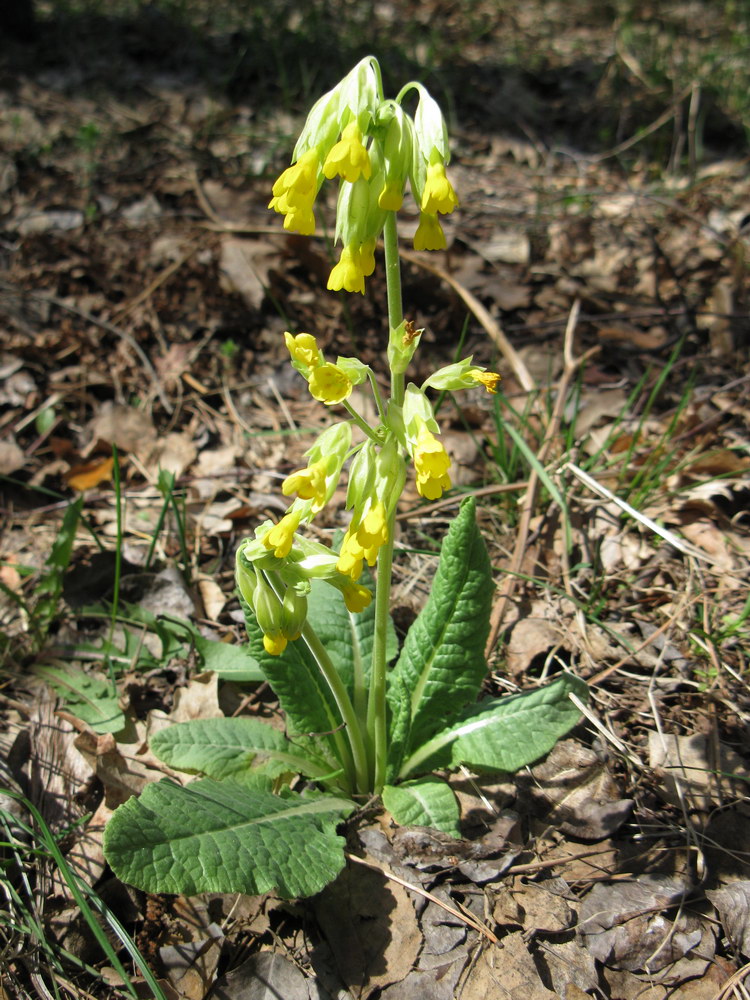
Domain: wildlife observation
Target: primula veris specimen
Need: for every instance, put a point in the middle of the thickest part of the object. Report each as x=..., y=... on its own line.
x=354, y=726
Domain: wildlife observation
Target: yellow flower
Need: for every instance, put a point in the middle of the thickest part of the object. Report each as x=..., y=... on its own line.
x=275, y=644
x=281, y=536
x=348, y=158
x=391, y=198
x=356, y=597
x=329, y=384
x=309, y=483
x=367, y=257
x=349, y=273
x=303, y=349
x=351, y=557
x=373, y=531
x=438, y=194
x=431, y=462
x=429, y=234
x=490, y=380
x=294, y=193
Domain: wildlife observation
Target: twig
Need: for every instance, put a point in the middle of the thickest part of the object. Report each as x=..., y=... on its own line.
x=467, y=918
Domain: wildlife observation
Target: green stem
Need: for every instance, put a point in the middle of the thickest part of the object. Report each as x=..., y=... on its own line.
x=377, y=734
x=361, y=423
x=353, y=757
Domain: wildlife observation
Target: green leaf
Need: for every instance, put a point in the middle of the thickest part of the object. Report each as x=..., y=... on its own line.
x=230, y=662
x=49, y=587
x=348, y=637
x=425, y=802
x=220, y=747
x=399, y=724
x=88, y=697
x=504, y=734
x=442, y=661
x=298, y=684
x=226, y=836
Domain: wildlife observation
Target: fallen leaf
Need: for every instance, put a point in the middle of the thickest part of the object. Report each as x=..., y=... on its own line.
x=90, y=474
x=623, y=926
x=733, y=905
x=576, y=792
x=506, y=972
x=267, y=976
x=690, y=774
x=12, y=457
x=371, y=928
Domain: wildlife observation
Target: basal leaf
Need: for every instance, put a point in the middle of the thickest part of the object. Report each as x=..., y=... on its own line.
x=399, y=723
x=442, y=661
x=297, y=682
x=425, y=802
x=504, y=734
x=226, y=836
x=220, y=747
x=230, y=662
x=88, y=697
x=348, y=637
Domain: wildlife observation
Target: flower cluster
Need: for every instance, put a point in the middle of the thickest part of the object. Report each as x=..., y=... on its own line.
x=375, y=148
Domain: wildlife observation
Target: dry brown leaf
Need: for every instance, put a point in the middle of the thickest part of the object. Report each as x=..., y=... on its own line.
x=576, y=792
x=531, y=637
x=199, y=700
x=244, y=268
x=267, y=976
x=371, y=928
x=12, y=457
x=733, y=904
x=130, y=429
x=90, y=474
x=532, y=907
x=623, y=924
x=690, y=774
x=506, y=972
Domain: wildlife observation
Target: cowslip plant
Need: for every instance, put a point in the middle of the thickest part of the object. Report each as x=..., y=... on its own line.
x=264, y=813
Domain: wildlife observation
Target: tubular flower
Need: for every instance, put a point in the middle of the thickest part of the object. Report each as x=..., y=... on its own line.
x=356, y=597
x=351, y=557
x=309, y=483
x=348, y=158
x=275, y=645
x=391, y=198
x=431, y=462
x=303, y=349
x=349, y=273
x=281, y=536
x=367, y=257
x=438, y=194
x=373, y=531
x=294, y=193
x=490, y=380
x=329, y=384
x=429, y=234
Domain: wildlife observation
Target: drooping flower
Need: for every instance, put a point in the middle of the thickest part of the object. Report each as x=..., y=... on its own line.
x=294, y=193
x=490, y=380
x=304, y=350
x=281, y=536
x=356, y=597
x=329, y=384
x=391, y=198
x=349, y=157
x=275, y=644
x=429, y=234
x=431, y=462
x=373, y=531
x=351, y=556
x=349, y=273
x=309, y=483
x=438, y=194
x=367, y=257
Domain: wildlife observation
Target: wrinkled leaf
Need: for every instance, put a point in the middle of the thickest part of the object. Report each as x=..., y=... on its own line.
x=425, y=802
x=226, y=836
x=504, y=734
x=224, y=746
x=442, y=662
x=88, y=697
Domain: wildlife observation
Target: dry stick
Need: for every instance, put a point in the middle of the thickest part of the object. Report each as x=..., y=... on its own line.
x=510, y=582
x=490, y=325
x=467, y=918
